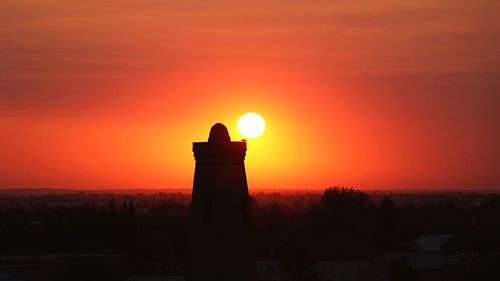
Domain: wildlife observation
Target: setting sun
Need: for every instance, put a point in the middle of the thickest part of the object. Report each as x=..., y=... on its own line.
x=251, y=125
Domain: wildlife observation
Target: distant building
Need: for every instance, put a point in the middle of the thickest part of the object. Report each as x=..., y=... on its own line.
x=424, y=266
x=431, y=243
x=420, y=266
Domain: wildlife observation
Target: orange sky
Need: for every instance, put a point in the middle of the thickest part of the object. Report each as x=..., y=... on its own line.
x=371, y=94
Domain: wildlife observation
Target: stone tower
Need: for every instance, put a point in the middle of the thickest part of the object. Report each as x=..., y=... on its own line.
x=221, y=248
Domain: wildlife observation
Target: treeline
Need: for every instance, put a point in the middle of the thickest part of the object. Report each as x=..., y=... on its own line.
x=341, y=224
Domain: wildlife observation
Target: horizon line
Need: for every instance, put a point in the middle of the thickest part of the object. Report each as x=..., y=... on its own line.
x=65, y=190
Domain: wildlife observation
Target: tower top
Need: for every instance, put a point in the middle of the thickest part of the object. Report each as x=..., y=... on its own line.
x=219, y=134
x=219, y=148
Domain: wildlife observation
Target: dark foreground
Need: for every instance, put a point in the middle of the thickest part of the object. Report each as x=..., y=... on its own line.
x=340, y=234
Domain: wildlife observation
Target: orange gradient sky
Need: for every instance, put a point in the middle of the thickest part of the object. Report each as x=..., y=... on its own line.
x=371, y=94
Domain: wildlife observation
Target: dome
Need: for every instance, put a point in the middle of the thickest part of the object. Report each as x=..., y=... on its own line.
x=219, y=134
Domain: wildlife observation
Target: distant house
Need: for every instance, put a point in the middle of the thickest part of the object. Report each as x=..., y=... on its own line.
x=422, y=267
x=431, y=243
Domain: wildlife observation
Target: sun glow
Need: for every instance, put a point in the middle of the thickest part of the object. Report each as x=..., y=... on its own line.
x=251, y=125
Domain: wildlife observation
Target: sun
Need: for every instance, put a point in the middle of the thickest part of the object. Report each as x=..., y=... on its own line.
x=251, y=125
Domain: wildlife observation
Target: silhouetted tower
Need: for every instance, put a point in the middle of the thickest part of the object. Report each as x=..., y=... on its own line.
x=221, y=247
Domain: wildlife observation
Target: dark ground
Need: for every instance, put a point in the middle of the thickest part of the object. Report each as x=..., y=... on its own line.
x=110, y=236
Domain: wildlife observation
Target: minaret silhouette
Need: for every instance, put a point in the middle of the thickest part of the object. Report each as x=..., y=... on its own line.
x=220, y=244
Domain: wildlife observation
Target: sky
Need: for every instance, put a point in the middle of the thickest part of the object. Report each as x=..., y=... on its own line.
x=370, y=94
